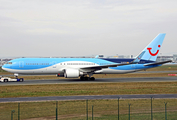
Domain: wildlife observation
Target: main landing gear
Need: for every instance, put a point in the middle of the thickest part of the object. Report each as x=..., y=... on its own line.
x=87, y=78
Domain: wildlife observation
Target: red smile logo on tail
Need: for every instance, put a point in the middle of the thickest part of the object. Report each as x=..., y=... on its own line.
x=153, y=54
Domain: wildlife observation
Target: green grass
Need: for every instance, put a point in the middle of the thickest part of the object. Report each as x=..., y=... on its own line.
x=156, y=116
x=164, y=68
x=88, y=89
x=103, y=109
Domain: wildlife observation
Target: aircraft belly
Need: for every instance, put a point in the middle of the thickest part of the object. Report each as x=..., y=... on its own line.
x=35, y=71
x=113, y=71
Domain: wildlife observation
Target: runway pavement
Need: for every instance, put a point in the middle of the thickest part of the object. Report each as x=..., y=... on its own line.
x=91, y=97
x=98, y=80
x=170, y=72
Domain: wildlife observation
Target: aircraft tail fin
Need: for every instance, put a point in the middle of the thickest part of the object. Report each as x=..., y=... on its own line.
x=152, y=50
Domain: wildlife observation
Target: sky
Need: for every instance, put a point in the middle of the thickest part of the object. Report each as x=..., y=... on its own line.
x=54, y=28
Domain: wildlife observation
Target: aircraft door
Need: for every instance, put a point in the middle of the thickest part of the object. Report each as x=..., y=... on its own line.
x=54, y=63
x=133, y=66
x=21, y=64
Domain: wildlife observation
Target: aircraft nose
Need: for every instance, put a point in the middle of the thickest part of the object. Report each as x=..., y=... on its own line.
x=4, y=67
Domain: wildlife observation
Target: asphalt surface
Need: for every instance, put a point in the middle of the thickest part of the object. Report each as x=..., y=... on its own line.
x=98, y=80
x=170, y=72
x=91, y=97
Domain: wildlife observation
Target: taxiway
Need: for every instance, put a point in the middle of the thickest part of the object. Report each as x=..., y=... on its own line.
x=97, y=80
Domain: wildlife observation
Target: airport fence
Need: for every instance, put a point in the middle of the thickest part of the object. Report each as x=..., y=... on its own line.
x=119, y=109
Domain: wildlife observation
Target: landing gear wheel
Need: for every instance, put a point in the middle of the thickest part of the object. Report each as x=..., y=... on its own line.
x=87, y=78
x=21, y=79
x=84, y=78
x=81, y=78
x=5, y=80
x=92, y=78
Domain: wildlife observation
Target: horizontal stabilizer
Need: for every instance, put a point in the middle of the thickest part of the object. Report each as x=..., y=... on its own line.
x=158, y=63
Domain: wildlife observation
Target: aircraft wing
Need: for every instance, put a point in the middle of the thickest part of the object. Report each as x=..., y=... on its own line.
x=158, y=63
x=94, y=68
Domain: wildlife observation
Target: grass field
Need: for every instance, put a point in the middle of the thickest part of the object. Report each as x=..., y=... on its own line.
x=102, y=110
x=164, y=68
x=88, y=89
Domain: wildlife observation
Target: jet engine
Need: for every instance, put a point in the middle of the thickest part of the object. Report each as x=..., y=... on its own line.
x=72, y=73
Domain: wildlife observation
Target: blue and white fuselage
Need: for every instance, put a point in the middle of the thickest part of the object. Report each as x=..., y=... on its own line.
x=81, y=67
x=57, y=65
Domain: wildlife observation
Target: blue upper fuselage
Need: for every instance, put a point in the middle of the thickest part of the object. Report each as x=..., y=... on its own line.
x=37, y=63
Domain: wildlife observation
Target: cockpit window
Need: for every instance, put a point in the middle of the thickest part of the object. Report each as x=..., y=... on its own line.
x=9, y=63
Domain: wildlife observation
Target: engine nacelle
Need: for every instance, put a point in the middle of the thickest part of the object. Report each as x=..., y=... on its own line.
x=71, y=73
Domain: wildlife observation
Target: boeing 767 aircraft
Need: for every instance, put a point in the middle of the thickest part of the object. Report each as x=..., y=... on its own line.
x=86, y=67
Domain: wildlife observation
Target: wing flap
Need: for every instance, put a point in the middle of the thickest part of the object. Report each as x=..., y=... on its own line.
x=93, y=68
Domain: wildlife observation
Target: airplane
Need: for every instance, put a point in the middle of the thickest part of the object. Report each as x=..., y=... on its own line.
x=85, y=68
